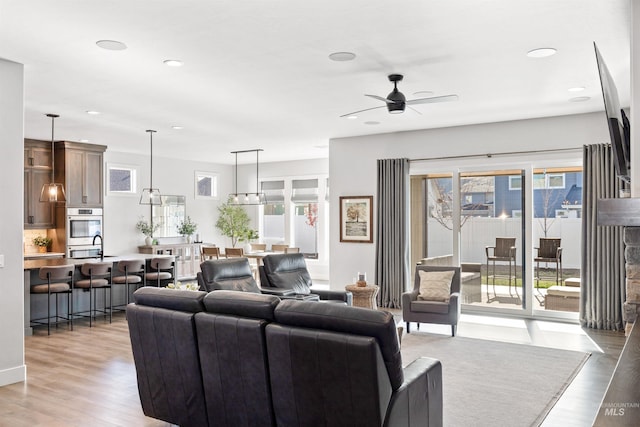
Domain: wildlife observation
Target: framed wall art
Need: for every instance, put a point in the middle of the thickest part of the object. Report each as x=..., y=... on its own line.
x=356, y=219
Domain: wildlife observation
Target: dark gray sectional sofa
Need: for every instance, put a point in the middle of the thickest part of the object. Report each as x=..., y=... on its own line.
x=228, y=358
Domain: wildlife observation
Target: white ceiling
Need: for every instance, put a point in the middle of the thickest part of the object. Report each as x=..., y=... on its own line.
x=256, y=73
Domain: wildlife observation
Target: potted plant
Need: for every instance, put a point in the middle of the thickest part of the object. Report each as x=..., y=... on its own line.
x=233, y=222
x=147, y=229
x=42, y=242
x=187, y=228
x=248, y=236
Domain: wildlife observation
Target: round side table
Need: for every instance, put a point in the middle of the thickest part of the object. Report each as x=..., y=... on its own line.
x=364, y=296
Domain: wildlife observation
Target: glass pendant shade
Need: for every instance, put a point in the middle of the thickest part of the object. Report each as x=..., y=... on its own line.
x=150, y=195
x=256, y=198
x=53, y=191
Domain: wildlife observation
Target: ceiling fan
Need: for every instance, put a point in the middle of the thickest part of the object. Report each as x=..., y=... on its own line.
x=396, y=101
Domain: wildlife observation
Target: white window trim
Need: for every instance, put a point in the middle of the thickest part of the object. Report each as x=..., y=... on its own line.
x=215, y=177
x=134, y=180
x=511, y=186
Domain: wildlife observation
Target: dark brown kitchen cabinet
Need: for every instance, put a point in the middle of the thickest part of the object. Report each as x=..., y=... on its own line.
x=37, y=172
x=81, y=170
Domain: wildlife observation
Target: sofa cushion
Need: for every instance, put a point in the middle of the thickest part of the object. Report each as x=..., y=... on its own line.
x=435, y=285
x=430, y=307
x=244, y=304
x=352, y=320
x=172, y=299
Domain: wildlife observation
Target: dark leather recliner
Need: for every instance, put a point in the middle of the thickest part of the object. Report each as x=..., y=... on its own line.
x=233, y=274
x=336, y=365
x=165, y=352
x=289, y=271
x=233, y=356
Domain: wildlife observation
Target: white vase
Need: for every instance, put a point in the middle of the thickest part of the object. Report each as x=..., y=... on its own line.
x=247, y=248
x=148, y=240
x=188, y=239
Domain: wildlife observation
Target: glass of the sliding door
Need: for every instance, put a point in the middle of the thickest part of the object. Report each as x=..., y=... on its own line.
x=556, y=232
x=491, y=238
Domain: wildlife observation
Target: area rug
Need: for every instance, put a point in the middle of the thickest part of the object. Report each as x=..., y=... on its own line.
x=490, y=383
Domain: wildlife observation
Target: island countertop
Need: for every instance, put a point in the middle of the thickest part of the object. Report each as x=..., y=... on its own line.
x=35, y=264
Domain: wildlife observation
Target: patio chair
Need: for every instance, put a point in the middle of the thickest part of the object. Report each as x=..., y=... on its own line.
x=548, y=252
x=503, y=252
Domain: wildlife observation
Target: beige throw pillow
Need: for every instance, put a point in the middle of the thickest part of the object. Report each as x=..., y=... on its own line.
x=435, y=285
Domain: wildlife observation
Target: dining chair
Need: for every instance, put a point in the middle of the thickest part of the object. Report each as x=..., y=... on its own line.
x=258, y=247
x=291, y=250
x=208, y=252
x=279, y=248
x=233, y=252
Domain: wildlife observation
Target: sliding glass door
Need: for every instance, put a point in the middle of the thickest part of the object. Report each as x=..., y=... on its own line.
x=491, y=238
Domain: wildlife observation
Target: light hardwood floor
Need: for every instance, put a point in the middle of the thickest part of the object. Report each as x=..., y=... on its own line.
x=86, y=376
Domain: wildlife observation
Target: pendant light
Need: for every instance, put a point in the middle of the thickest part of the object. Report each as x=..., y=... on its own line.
x=54, y=191
x=150, y=196
x=257, y=198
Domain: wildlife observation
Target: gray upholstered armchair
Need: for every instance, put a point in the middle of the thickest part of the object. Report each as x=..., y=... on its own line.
x=419, y=311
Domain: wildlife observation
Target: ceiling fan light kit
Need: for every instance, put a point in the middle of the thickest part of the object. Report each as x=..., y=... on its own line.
x=396, y=102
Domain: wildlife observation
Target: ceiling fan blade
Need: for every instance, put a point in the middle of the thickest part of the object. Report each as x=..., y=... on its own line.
x=414, y=109
x=379, y=98
x=445, y=98
x=360, y=111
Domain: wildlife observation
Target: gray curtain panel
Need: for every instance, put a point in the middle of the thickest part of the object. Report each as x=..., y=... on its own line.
x=603, y=273
x=392, y=237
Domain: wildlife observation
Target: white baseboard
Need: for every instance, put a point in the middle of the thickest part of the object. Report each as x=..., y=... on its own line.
x=13, y=375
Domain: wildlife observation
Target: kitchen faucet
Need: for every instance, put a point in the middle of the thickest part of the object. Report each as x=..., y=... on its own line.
x=101, y=245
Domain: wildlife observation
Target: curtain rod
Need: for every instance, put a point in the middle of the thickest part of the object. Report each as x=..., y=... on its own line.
x=489, y=155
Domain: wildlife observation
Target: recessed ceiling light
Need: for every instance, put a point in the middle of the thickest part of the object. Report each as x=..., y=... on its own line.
x=342, y=56
x=177, y=127
x=84, y=140
x=423, y=93
x=352, y=117
x=542, y=52
x=371, y=123
x=93, y=113
x=576, y=89
x=580, y=99
x=111, y=45
x=172, y=62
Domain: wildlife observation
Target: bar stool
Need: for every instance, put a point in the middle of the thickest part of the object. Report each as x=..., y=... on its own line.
x=162, y=271
x=98, y=275
x=59, y=281
x=133, y=274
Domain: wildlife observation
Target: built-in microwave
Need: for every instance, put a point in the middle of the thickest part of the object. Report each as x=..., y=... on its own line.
x=83, y=225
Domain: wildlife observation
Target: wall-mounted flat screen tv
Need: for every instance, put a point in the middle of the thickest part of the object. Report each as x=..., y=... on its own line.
x=619, y=128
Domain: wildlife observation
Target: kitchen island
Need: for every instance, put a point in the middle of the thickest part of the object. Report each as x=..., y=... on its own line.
x=80, y=299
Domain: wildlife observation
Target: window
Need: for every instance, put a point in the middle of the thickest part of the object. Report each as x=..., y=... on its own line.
x=304, y=195
x=206, y=185
x=548, y=180
x=121, y=180
x=273, y=227
x=515, y=183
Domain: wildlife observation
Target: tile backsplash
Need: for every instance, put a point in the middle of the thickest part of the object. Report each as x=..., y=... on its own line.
x=27, y=242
